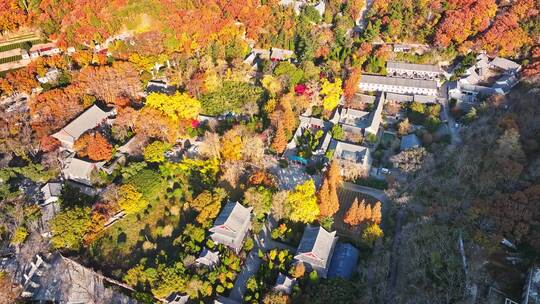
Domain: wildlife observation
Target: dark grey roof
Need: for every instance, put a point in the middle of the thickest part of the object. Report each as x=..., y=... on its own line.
x=531, y=294
x=413, y=66
x=89, y=119
x=284, y=284
x=160, y=86
x=395, y=81
x=52, y=188
x=399, y=97
x=208, y=258
x=351, y=152
x=177, y=298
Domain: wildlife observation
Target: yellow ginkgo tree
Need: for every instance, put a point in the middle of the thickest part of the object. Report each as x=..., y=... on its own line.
x=332, y=93
x=179, y=106
x=303, y=203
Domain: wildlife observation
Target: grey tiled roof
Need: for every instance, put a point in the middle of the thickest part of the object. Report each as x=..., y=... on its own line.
x=233, y=216
x=90, y=119
x=505, y=64
x=65, y=281
x=351, y=152
x=284, y=284
x=413, y=66
x=317, y=244
x=395, y=81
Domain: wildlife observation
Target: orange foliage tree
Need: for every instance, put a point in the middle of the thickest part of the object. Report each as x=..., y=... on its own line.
x=359, y=213
x=51, y=110
x=350, y=87
x=12, y=15
x=279, y=143
x=505, y=35
x=93, y=145
x=328, y=195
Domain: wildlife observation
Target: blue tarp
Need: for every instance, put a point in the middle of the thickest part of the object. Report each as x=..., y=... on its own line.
x=299, y=159
x=344, y=261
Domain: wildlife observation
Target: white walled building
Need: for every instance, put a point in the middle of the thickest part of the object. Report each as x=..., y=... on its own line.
x=374, y=83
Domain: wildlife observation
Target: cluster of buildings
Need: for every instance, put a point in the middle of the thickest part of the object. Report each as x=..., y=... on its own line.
x=255, y=58
x=361, y=129
x=43, y=49
x=361, y=119
x=73, y=168
x=318, y=249
x=485, y=78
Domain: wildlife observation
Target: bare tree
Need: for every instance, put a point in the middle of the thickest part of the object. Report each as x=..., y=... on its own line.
x=253, y=150
x=211, y=146
x=279, y=205
x=411, y=160
x=351, y=170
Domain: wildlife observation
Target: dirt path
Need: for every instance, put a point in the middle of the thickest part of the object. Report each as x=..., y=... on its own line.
x=393, y=271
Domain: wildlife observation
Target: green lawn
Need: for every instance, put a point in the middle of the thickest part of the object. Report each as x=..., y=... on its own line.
x=121, y=245
x=18, y=45
x=10, y=59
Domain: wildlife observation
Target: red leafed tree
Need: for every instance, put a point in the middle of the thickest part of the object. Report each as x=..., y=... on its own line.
x=464, y=19
x=48, y=144
x=515, y=214
x=505, y=35
x=53, y=109
x=533, y=68
x=350, y=87
x=95, y=146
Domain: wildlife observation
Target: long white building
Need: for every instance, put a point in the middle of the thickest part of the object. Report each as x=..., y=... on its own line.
x=374, y=83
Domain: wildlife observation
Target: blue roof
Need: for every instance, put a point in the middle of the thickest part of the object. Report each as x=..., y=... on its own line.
x=344, y=261
x=409, y=142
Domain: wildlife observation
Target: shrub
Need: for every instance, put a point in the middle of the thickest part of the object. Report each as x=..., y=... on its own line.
x=146, y=181
x=19, y=236
x=155, y=152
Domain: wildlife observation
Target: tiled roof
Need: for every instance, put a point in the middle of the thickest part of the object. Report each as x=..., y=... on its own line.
x=395, y=81
x=413, y=66
x=317, y=243
x=505, y=64
x=89, y=119
x=233, y=216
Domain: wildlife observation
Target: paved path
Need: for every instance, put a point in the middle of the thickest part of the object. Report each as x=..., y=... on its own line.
x=249, y=269
x=446, y=116
x=376, y=193
x=264, y=242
